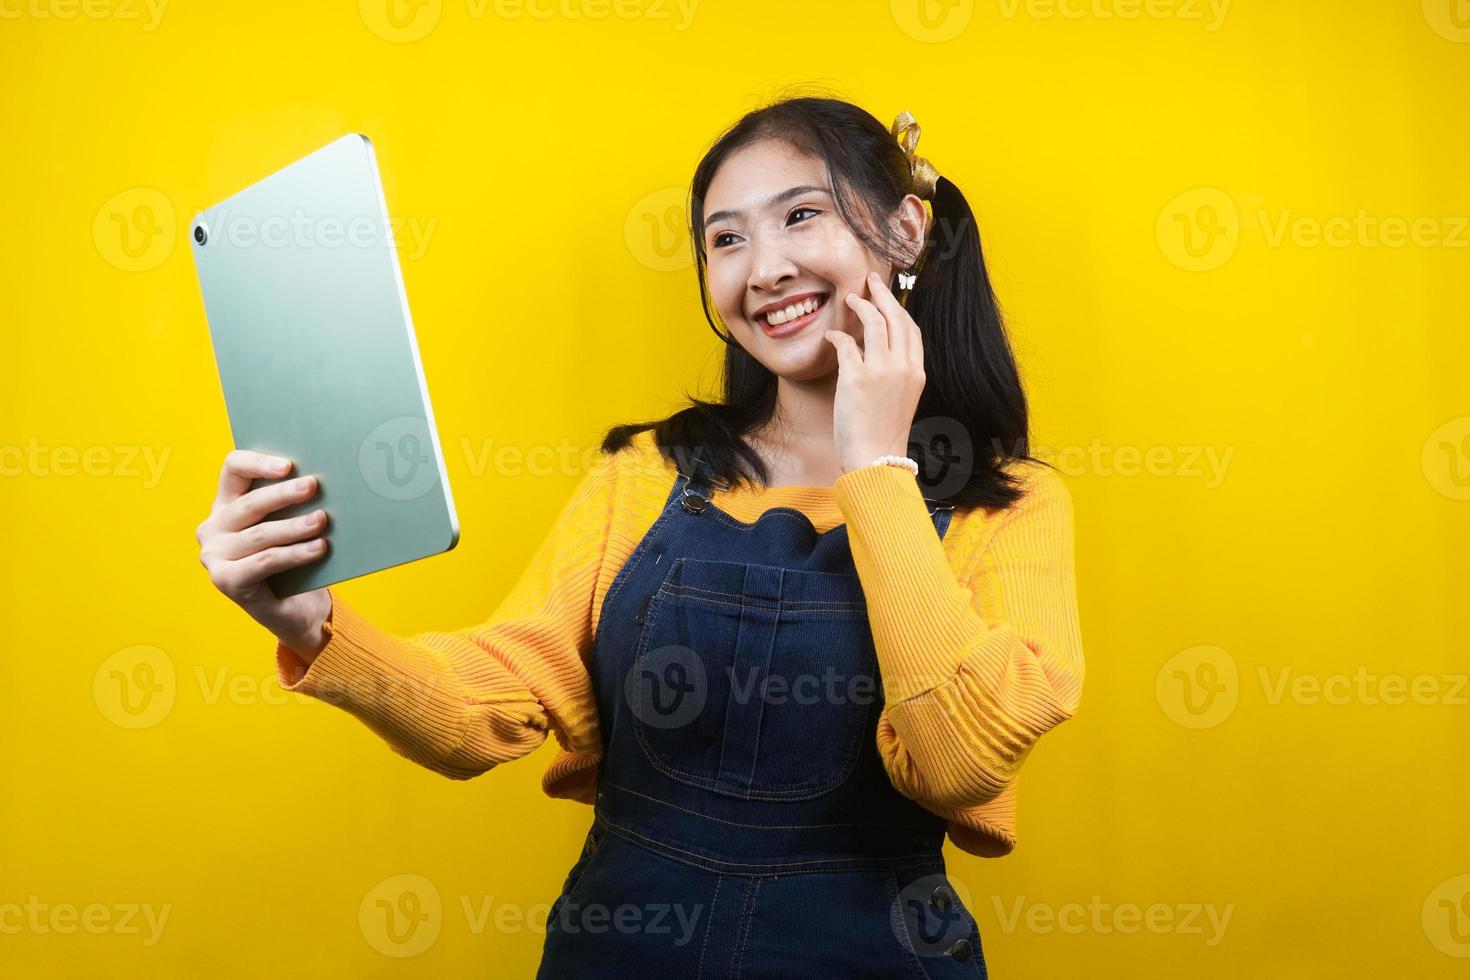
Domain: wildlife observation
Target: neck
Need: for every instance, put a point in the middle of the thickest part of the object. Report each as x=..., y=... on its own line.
x=797, y=444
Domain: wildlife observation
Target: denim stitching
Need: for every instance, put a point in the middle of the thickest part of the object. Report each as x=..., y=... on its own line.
x=838, y=603
x=640, y=550
x=753, y=826
x=846, y=764
x=709, y=925
x=850, y=862
x=747, y=913
x=898, y=921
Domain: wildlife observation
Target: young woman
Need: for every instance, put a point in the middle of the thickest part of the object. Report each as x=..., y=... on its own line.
x=779, y=663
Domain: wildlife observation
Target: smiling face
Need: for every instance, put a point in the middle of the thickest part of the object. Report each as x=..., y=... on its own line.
x=781, y=259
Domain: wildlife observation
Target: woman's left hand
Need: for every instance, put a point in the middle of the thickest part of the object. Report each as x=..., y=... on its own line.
x=878, y=385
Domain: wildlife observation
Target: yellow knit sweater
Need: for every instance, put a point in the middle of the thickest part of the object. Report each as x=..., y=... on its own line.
x=977, y=637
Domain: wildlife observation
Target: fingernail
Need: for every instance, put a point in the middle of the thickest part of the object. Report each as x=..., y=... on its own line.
x=302, y=483
x=280, y=465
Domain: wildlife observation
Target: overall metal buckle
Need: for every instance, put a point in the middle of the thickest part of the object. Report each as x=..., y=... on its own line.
x=689, y=504
x=693, y=501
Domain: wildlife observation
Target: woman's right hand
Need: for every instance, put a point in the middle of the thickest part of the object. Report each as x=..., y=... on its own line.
x=241, y=549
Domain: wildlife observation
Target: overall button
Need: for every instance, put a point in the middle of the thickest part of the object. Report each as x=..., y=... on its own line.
x=960, y=950
x=693, y=502
x=940, y=898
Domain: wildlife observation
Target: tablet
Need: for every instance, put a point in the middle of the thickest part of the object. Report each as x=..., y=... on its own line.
x=318, y=361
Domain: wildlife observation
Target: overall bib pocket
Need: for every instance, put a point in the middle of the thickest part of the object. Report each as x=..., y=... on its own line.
x=754, y=681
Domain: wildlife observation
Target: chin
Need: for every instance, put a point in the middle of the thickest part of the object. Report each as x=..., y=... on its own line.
x=804, y=362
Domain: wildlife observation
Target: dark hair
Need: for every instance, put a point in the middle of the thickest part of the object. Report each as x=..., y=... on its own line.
x=971, y=417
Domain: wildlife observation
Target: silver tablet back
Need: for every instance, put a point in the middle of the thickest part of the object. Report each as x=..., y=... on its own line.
x=317, y=358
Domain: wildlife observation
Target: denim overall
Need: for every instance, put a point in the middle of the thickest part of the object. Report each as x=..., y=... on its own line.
x=744, y=825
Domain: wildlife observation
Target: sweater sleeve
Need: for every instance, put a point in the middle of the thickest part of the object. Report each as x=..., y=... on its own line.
x=975, y=667
x=460, y=703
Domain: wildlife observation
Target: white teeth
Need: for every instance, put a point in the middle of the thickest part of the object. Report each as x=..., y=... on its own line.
x=777, y=317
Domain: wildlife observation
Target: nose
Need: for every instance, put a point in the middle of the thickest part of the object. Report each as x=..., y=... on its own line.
x=770, y=266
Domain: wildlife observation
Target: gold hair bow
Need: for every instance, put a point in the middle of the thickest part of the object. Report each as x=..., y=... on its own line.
x=906, y=130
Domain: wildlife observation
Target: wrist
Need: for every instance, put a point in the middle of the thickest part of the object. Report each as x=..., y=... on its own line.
x=306, y=647
x=895, y=460
x=868, y=455
x=312, y=640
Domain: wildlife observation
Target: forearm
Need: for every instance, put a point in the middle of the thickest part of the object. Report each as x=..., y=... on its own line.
x=437, y=699
x=966, y=697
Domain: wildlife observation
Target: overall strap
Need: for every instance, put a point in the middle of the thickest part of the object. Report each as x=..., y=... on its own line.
x=693, y=487
x=941, y=512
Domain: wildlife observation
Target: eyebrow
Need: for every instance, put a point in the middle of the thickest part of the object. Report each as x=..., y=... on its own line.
x=785, y=195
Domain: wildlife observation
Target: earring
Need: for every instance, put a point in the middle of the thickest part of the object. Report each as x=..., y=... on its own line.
x=906, y=280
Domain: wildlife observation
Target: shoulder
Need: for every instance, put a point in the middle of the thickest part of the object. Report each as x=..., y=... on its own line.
x=632, y=474
x=639, y=456
x=1042, y=513
x=1043, y=489
x=641, y=461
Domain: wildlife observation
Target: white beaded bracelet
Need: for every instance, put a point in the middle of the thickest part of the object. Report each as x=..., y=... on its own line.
x=903, y=461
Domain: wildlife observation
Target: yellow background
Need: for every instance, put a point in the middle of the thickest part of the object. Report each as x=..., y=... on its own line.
x=1148, y=178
